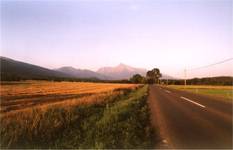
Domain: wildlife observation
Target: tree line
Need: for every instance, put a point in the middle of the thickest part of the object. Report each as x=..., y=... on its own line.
x=154, y=75
x=221, y=80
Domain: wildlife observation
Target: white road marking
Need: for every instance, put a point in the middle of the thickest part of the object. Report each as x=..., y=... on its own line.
x=192, y=101
x=167, y=91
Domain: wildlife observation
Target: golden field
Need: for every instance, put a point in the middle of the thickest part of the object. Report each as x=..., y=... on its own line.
x=27, y=94
x=73, y=115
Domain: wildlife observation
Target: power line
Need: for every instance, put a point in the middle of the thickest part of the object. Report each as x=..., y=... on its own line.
x=206, y=66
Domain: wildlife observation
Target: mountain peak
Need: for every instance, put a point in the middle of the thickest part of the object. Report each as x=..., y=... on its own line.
x=122, y=65
x=121, y=71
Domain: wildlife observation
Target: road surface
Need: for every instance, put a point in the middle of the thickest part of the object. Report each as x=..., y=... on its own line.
x=187, y=120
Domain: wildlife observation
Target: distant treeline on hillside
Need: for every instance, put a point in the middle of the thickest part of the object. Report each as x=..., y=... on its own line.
x=221, y=80
x=10, y=77
x=13, y=77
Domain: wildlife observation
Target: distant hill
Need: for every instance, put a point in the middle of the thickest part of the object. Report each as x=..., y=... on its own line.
x=16, y=70
x=82, y=73
x=121, y=71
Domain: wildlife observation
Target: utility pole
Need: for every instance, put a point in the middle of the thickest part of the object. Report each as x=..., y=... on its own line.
x=185, y=71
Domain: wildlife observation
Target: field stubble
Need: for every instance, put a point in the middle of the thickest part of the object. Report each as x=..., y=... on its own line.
x=116, y=117
x=20, y=95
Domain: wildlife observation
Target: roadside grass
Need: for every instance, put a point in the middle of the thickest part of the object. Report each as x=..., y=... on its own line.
x=121, y=120
x=225, y=92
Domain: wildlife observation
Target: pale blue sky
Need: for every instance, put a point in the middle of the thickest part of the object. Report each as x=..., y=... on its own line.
x=90, y=34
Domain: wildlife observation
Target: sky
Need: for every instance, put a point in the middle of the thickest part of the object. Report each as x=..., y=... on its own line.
x=168, y=34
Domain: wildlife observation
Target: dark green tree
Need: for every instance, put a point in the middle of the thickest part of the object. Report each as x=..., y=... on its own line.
x=137, y=78
x=153, y=76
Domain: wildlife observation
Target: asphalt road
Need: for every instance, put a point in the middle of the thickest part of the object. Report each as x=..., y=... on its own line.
x=187, y=120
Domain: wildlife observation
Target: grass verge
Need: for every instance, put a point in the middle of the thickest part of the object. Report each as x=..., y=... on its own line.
x=225, y=92
x=120, y=121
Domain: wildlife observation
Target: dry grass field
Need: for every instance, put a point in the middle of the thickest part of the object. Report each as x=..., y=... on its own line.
x=41, y=114
x=20, y=95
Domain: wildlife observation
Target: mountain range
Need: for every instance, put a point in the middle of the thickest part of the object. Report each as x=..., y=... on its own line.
x=16, y=69
x=12, y=69
x=82, y=73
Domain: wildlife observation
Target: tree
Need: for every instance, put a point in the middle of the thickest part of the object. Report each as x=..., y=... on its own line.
x=149, y=77
x=153, y=76
x=137, y=78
